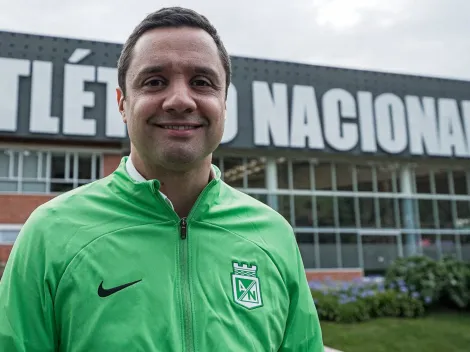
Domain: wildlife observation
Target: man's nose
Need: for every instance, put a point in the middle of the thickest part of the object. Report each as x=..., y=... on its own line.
x=179, y=98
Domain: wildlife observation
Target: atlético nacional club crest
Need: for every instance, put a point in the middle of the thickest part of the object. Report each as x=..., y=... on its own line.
x=246, y=286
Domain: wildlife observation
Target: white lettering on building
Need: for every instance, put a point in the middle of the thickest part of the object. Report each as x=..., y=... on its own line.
x=10, y=72
x=270, y=114
x=305, y=119
x=115, y=127
x=339, y=105
x=450, y=129
x=390, y=120
x=41, y=120
x=422, y=125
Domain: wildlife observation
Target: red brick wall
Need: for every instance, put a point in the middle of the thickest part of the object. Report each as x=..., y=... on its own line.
x=110, y=163
x=334, y=274
x=4, y=253
x=16, y=208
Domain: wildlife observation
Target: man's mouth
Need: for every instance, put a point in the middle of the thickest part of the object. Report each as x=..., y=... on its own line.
x=180, y=128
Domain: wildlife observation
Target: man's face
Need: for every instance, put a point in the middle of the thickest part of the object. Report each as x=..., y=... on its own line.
x=175, y=100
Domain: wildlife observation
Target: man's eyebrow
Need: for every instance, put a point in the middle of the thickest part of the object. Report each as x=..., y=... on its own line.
x=205, y=70
x=150, y=70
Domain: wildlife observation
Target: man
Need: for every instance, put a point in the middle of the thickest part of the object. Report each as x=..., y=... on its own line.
x=161, y=255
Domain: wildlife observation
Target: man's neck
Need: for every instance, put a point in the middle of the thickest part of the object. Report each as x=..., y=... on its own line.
x=182, y=188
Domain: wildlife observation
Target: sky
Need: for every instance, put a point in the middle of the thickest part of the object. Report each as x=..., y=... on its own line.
x=423, y=37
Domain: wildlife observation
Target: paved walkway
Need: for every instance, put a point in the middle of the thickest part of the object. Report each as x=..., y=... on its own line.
x=327, y=349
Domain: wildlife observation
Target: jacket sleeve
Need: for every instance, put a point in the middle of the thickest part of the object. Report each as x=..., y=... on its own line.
x=303, y=331
x=26, y=309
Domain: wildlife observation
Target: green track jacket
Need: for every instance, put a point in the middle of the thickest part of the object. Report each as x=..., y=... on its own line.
x=111, y=267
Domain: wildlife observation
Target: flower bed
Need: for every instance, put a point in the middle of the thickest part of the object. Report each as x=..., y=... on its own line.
x=410, y=287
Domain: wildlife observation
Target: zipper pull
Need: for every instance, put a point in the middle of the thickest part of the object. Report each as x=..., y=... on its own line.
x=183, y=228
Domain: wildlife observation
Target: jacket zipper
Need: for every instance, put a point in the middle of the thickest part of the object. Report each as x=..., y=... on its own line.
x=185, y=287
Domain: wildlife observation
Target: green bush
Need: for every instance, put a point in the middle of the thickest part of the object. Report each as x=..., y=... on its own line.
x=443, y=282
x=361, y=302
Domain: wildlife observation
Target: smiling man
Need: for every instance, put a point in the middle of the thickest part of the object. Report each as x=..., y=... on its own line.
x=161, y=255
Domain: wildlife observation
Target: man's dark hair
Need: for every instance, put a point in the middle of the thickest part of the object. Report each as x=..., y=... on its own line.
x=170, y=17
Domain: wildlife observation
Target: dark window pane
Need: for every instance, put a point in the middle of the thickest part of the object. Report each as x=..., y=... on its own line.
x=57, y=166
x=441, y=179
x=261, y=197
x=344, y=177
x=346, y=213
x=323, y=176
x=256, y=173
x=284, y=207
x=426, y=214
x=463, y=214
x=423, y=182
x=303, y=211
x=365, y=180
x=379, y=252
x=388, y=214
x=282, y=173
x=460, y=182
x=234, y=171
x=367, y=212
x=301, y=174
x=325, y=211
x=445, y=214
x=84, y=167
x=386, y=179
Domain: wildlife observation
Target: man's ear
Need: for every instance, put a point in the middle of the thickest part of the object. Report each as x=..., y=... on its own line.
x=120, y=100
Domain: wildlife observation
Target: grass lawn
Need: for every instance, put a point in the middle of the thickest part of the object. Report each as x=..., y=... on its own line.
x=435, y=332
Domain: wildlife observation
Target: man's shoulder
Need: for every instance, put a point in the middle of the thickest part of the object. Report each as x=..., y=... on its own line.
x=66, y=204
x=253, y=211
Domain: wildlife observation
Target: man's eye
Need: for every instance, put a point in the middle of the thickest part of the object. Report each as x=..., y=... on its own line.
x=201, y=82
x=154, y=82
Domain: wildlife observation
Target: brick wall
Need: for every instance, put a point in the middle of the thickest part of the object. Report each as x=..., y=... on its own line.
x=334, y=274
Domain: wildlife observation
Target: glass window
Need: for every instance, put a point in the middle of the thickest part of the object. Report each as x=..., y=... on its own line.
x=8, y=236
x=30, y=164
x=8, y=186
x=465, y=245
x=429, y=245
x=234, y=171
x=85, y=167
x=256, y=172
x=328, y=250
x=306, y=245
x=346, y=211
x=344, y=177
x=460, y=182
x=303, y=211
x=282, y=173
x=4, y=163
x=422, y=179
x=367, y=211
x=325, y=211
x=365, y=179
x=388, y=210
x=426, y=214
x=323, y=176
x=441, y=179
x=444, y=211
x=301, y=175
x=349, y=250
x=284, y=208
x=386, y=178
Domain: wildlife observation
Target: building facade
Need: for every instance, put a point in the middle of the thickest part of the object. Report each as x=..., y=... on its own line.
x=366, y=166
